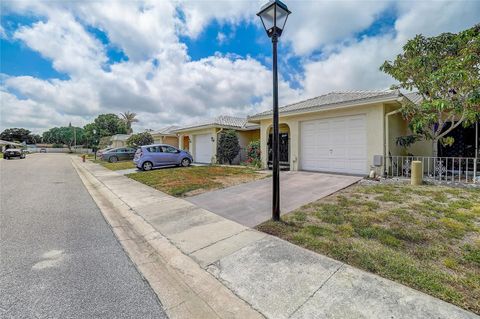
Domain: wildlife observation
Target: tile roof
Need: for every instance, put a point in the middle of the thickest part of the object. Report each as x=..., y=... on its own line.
x=223, y=120
x=414, y=97
x=167, y=130
x=333, y=98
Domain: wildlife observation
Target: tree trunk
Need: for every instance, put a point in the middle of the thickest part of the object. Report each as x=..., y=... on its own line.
x=435, y=147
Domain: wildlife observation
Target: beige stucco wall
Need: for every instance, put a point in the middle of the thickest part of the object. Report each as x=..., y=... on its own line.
x=398, y=126
x=117, y=143
x=375, y=130
x=162, y=139
x=244, y=138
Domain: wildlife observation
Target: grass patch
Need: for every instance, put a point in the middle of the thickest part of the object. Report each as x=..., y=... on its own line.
x=117, y=166
x=426, y=237
x=186, y=181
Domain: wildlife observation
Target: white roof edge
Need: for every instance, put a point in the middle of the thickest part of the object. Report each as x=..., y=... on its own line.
x=334, y=106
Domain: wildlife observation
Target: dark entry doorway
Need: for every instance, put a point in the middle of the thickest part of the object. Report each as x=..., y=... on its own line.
x=284, y=151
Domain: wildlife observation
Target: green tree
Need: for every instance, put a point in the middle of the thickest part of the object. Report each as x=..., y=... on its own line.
x=66, y=135
x=19, y=135
x=227, y=146
x=140, y=139
x=445, y=70
x=129, y=118
x=104, y=125
x=108, y=125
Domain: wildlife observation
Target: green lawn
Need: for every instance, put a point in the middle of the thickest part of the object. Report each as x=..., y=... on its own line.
x=112, y=166
x=186, y=181
x=426, y=237
x=117, y=166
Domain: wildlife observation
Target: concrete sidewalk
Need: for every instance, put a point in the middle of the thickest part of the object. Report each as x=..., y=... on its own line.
x=274, y=277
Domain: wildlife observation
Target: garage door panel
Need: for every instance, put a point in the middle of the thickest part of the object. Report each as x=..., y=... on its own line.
x=335, y=145
x=203, y=148
x=357, y=152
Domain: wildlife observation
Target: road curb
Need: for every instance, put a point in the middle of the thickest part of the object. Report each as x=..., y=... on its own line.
x=182, y=286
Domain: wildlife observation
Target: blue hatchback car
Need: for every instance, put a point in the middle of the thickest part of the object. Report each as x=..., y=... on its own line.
x=156, y=155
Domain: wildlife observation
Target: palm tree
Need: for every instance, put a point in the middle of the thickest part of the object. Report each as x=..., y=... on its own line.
x=129, y=118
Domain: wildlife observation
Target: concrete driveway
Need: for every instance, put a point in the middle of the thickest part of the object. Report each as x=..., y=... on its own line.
x=251, y=203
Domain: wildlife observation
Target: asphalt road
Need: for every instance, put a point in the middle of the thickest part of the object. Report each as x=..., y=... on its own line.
x=58, y=256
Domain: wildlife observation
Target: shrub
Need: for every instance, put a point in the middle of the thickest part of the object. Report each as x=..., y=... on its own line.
x=253, y=154
x=140, y=139
x=227, y=146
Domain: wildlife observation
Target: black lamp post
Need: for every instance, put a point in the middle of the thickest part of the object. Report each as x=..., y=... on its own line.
x=274, y=15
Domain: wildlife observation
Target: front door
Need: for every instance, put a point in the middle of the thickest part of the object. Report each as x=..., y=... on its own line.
x=283, y=150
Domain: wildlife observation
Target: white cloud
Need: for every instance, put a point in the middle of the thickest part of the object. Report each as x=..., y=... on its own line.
x=164, y=86
x=355, y=65
x=313, y=25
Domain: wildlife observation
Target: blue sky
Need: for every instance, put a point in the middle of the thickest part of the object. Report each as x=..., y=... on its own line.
x=181, y=62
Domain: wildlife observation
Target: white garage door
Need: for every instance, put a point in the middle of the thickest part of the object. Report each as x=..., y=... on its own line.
x=334, y=145
x=203, y=148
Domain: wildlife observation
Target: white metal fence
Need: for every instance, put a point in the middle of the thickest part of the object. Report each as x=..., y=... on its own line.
x=443, y=169
x=60, y=150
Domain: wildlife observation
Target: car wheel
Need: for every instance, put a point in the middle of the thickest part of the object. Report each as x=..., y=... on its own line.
x=147, y=166
x=113, y=159
x=185, y=162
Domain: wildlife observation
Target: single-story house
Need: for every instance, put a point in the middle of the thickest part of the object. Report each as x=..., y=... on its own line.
x=341, y=132
x=119, y=140
x=166, y=136
x=201, y=138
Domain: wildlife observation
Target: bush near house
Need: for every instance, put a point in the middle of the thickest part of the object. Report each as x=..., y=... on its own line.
x=140, y=139
x=227, y=146
x=254, y=154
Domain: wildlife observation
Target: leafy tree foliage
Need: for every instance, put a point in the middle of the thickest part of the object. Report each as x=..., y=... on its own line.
x=104, y=125
x=140, y=139
x=253, y=154
x=20, y=135
x=66, y=135
x=108, y=125
x=227, y=146
x=445, y=70
x=129, y=118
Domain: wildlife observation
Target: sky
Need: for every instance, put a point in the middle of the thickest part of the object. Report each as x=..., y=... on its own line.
x=176, y=62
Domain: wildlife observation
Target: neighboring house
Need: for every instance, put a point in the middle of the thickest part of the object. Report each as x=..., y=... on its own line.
x=166, y=136
x=119, y=140
x=201, y=138
x=341, y=132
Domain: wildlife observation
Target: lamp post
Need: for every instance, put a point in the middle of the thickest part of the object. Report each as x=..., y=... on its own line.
x=94, y=143
x=274, y=15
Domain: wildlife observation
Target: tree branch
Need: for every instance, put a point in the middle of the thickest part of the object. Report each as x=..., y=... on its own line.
x=454, y=125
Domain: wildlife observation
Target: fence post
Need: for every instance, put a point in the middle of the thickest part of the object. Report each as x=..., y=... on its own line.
x=416, y=173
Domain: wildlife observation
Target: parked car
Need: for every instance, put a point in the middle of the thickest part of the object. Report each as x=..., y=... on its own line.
x=26, y=151
x=119, y=154
x=13, y=152
x=156, y=155
x=100, y=152
x=43, y=150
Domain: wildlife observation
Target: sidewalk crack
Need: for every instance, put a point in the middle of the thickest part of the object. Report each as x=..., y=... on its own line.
x=313, y=294
x=211, y=244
